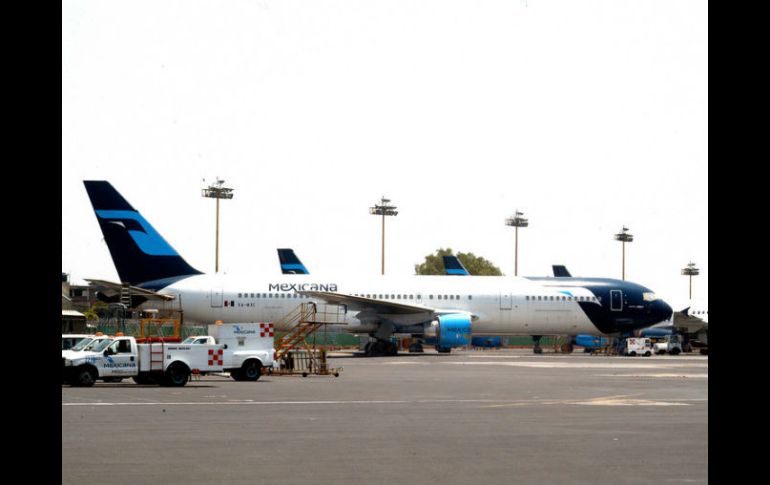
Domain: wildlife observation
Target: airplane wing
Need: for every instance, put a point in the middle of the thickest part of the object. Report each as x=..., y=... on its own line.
x=358, y=303
x=110, y=288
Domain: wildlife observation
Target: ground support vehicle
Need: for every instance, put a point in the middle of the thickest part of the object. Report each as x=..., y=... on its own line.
x=168, y=364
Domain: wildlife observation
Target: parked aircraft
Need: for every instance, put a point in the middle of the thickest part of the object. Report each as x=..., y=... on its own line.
x=450, y=309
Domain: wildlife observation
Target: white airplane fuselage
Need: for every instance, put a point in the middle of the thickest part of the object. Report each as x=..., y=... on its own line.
x=501, y=305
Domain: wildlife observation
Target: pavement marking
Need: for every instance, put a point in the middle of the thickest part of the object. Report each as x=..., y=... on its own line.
x=582, y=365
x=268, y=403
x=681, y=376
x=627, y=402
x=619, y=400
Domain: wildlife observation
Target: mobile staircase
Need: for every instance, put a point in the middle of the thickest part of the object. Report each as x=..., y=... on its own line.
x=292, y=352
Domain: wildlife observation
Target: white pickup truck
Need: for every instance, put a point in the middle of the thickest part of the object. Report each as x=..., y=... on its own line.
x=164, y=363
x=248, y=347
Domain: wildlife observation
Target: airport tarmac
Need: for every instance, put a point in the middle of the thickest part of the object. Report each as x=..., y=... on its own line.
x=491, y=417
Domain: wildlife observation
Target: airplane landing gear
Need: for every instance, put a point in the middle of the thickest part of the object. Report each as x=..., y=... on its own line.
x=380, y=348
x=537, y=349
x=416, y=348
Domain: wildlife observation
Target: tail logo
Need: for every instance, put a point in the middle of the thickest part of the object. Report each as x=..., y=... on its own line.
x=146, y=238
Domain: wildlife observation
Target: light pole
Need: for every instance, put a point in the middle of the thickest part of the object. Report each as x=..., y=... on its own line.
x=217, y=191
x=383, y=209
x=691, y=271
x=517, y=221
x=624, y=236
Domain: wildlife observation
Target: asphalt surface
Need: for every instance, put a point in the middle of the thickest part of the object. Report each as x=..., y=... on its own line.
x=489, y=417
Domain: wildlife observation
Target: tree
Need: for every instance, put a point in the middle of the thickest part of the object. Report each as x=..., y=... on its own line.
x=476, y=265
x=91, y=314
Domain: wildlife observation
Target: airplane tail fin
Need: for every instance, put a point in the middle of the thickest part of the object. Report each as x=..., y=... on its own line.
x=139, y=253
x=290, y=263
x=561, y=271
x=453, y=266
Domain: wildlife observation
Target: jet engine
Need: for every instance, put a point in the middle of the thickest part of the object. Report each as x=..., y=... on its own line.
x=451, y=330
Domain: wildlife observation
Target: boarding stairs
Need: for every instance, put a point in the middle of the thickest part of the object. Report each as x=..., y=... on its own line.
x=305, y=319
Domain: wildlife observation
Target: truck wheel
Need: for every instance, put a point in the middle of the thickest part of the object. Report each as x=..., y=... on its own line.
x=675, y=351
x=85, y=377
x=236, y=374
x=177, y=375
x=251, y=370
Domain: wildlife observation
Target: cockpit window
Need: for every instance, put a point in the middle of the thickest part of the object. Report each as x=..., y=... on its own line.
x=649, y=296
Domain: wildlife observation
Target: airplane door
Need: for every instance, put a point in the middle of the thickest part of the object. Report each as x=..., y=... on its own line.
x=216, y=298
x=505, y=301
x=616, y=300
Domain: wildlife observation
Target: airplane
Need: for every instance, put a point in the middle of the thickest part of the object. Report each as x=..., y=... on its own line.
x=450, y=309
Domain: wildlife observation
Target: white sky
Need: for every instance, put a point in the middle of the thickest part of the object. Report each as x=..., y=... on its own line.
x=585, y=115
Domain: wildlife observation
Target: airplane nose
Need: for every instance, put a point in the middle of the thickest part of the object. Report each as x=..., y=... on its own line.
x=661, y=310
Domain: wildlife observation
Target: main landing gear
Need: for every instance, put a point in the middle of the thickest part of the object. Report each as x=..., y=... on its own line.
x=537, y=348
x=416, y=348
x=380, y=348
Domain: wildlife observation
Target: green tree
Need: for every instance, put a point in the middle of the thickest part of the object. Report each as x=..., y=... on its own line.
x=476, y=265
x=91, y=314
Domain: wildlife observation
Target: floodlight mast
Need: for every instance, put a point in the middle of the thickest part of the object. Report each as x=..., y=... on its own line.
x=383, y=209
x=624, y=236
x=517, y=221
x=217, y=191
x=691, y=271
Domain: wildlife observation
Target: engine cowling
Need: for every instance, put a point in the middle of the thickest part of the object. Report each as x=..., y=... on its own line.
x=451, y=330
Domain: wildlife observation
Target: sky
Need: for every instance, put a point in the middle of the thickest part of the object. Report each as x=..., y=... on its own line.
x=586, y=116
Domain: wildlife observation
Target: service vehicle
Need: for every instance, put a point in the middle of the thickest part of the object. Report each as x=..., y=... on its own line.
x=163, y=363
x=671, y=344
x=248, y=347
x=637, y=346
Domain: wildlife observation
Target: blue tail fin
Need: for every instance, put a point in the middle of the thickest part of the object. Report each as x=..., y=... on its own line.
x=140, y=254
x=290, y=263
x=453, y=266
